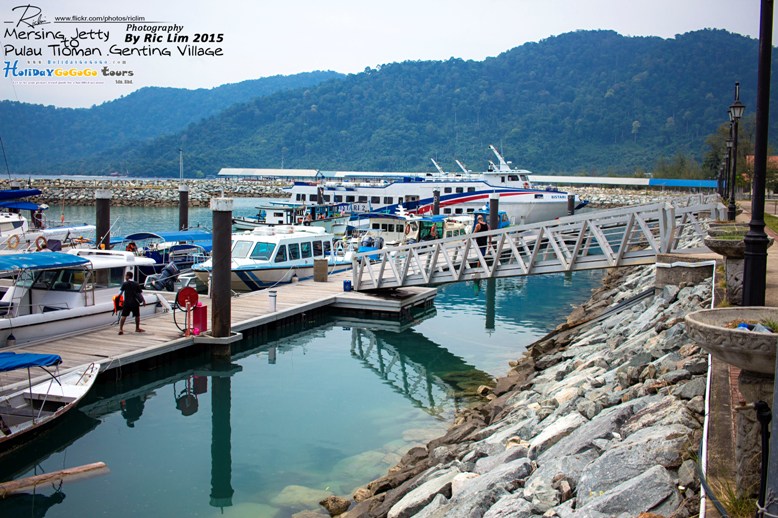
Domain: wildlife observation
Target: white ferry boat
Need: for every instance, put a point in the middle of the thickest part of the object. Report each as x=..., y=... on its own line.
x=267, y=256
x=462, y=193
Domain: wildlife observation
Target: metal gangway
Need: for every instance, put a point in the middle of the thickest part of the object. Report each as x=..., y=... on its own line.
x=625, y=236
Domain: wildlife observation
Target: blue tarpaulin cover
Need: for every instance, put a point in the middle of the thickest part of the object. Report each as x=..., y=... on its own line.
x=40, y=261
x=13, y=194
x=12, y=361
x=181, y=235
x=19, y=205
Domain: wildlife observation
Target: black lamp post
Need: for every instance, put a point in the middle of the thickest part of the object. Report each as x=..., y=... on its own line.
x=736, y=110
x=729, y=193
x=755, y=256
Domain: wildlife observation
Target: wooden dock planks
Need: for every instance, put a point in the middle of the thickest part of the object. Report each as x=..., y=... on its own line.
x=248, y=310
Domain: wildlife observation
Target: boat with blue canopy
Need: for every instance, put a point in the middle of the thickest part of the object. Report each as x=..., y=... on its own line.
x=173, y=252
x=44, y=295
x=39, y=404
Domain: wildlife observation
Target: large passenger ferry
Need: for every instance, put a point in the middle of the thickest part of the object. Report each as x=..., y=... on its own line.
x=460, y=193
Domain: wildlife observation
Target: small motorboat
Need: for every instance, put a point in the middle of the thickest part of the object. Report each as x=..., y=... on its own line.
x=39, y=404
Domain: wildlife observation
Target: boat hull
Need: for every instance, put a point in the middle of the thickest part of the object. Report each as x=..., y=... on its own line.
x=31, y=409
x=57, y=324
x=253, y=279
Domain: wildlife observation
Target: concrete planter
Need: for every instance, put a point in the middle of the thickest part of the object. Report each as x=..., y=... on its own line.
x=750, y=351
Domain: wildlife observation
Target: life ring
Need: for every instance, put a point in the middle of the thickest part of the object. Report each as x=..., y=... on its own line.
x=13, y=242
x=526, y=185
x=40, y=243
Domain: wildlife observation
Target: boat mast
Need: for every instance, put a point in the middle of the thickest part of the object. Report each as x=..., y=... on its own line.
x=440, y=169
x=504, y=166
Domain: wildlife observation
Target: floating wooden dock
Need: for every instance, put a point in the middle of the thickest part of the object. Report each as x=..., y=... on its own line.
x=249, y=310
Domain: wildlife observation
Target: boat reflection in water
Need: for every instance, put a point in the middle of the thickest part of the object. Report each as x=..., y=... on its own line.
x=254, y=430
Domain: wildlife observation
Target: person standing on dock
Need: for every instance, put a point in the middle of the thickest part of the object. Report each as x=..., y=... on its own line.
x=133, y=295
x=483, y=241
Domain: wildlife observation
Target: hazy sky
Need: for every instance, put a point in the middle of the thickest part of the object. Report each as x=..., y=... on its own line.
x=263, y=38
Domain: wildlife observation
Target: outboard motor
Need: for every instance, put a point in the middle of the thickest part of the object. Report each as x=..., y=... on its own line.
x=379, y=243
x=167, y=277
x=367, y=241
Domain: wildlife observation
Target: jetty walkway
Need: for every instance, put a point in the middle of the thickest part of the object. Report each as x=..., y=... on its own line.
x=249, y=310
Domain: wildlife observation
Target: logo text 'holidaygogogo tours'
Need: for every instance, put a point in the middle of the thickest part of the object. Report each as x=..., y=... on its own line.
x=13, y=70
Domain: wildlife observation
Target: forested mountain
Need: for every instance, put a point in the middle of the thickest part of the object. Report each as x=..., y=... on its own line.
x=38, y=137
x=588, y=101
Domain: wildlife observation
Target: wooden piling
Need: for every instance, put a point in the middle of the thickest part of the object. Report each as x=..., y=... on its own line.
x=103, y=218
x=183, y=207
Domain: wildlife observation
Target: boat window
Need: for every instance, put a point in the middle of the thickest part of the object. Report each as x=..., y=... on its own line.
x=400, y=199
x=300, y=197
x=446, y=190
x=349, y=199
x=240, y=249
x=327, y=197
x=363, y=199
x=375, y=226
x=113, y=277
x=327, y=247
x=460, y=189
x=470, y=210
x=457, y=211
x=400, y=227
x=305, y=250
x=281, y=254
x=446, y=211
x=294, y=251
x=388, y=200
x=502, y=179
x=45, y=280
x=263, y=251
x=538, y=196
x=390, y=227
x=375, y=199
x=471, y=189
x=317, y=249
x=524, y=178
x=338, y=198
x=513, y=177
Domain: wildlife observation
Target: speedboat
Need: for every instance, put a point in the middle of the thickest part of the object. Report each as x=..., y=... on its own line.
x=51, y=294
x=267, y=256
x=38, y=405
x=18, y=233
x=173, y=253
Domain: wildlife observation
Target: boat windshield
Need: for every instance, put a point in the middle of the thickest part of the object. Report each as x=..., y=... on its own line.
x=263, y=251
x=240, y=249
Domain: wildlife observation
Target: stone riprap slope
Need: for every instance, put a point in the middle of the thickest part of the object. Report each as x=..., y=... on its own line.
x=598, y=420
x=147, y=193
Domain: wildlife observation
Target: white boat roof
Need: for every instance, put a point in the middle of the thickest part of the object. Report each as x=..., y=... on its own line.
x=111, y=258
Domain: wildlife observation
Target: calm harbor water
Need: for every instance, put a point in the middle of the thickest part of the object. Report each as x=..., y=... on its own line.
x=297, y=414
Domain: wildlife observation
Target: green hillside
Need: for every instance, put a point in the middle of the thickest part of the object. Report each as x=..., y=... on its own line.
x=588, y=102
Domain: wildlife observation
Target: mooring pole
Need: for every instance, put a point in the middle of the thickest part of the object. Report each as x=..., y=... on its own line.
x=570, y=204
x=220, y=271
x=183, y=207
x=494, y=210
x=103, y=218
x=436, y=202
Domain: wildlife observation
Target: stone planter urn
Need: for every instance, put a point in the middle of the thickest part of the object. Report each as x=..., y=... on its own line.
x=732, y=248
x=750, y=351
x=754, y=353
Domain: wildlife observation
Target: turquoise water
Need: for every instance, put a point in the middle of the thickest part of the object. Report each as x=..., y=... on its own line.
x=297, y=414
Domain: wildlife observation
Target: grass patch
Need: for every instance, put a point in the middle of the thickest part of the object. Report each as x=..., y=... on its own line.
x=771, y=222
x=736, y=501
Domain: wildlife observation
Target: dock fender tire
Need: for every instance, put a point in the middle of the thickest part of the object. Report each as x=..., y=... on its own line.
x=13, y=242
x=40, y=243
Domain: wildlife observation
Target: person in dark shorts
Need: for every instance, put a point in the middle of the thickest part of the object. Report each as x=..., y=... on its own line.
x=132, y=292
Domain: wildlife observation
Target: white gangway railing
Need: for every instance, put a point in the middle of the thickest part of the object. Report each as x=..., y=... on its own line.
x=599, y=239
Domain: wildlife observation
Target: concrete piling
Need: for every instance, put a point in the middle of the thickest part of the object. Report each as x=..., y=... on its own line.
x=494, y=210
x=183, y=207
x=220, y=273
x=103, y=218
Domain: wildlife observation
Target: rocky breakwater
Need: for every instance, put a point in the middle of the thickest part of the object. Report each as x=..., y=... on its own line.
x=610, y=197
x=600, y=419
x=147, y=193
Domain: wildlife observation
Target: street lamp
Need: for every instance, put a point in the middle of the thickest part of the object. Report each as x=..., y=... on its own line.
x=728, y=157
x=736, y=110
